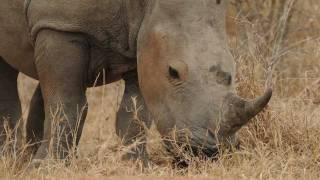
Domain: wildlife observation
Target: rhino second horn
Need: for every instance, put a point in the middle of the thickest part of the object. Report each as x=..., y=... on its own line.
x=253, y=107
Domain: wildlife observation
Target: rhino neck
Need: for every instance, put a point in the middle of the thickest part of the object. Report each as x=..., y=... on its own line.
x=117, y=60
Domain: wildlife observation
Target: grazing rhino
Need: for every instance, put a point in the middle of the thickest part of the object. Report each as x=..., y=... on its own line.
x=172, y=55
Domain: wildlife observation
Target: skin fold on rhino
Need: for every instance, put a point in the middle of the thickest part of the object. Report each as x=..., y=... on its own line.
x=171, y=54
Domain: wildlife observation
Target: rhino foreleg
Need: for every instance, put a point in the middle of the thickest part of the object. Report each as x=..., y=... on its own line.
x=61, y=62
x=10, y=108
x=133, y=120
x=35, y=120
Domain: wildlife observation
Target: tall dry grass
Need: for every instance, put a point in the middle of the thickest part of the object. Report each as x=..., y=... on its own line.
x=275, y=43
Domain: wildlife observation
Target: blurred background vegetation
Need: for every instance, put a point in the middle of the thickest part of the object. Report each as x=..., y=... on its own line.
x=279, y=39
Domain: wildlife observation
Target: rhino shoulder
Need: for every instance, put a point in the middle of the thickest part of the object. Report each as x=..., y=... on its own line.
x=83, y=16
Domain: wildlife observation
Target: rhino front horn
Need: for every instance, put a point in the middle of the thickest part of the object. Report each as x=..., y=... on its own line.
x=253, y=107
x=240, y=111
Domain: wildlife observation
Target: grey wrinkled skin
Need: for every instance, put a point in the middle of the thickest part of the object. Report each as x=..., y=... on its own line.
x=172, y=55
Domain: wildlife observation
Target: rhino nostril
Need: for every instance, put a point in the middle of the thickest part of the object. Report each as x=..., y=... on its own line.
x=211, y=152
x=207, y=152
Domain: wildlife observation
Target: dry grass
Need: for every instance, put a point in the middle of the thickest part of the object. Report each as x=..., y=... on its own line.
x=275, y=43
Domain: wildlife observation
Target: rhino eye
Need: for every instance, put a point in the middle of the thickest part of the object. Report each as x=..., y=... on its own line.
x=174, y=74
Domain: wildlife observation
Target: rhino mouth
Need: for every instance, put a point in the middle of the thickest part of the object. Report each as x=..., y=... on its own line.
x=193, y=151
x=183, y=158
x=183, y=151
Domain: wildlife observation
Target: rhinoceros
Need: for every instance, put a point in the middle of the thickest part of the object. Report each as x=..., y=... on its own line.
x=172, y=55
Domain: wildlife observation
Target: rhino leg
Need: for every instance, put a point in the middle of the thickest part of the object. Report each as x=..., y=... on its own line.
x=132, y=126
x=35, y=120
x=10, y=108
x=61, y=62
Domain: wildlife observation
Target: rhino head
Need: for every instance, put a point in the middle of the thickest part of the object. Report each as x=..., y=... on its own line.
x=187, y=74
